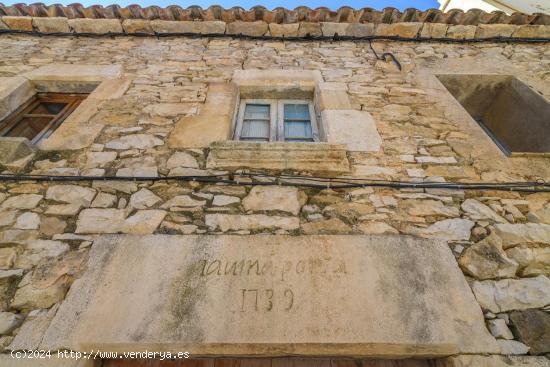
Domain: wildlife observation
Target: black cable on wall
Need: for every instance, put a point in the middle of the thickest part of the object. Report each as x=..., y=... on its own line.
x=305, y=38
x=301, y=181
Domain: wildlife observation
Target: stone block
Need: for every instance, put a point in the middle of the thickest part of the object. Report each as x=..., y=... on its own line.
x=276, y=83
x=533, y=261
x=200, y=131
x=213, y=122
x=137, y=26
x=18, y=23
x=512, y=347
x=499, y=329
x=14, y=91
x=30, y=296
x=354, y=129
x=274, y=198
x=257, y=28
x=517, y=234
x=329, y=29
x=493, y=361
x=310, y=29
x=332, y=96
x=456, y=229
x=15, y=152
x=182, y=159
x=23, y=201
x=8, y=322
x=32, y=331
x=210, y=27
x=100, y=26
x=110, y=89
x=406, y=30
x=461, y=31
x=384, y=296
x=533, y=327
x=171, y=26
x=476, y=210
x=495, y=30
x=532, y=31
x=251, y=222
x=171, y=109
x=134, y=141
x=198, y=27
x=3, y=25
x=74, y=72
x=284, y=30
x=312, y=157
x=71, y=194
x=434, y=30
x=71, y=136
x=512, y=294
x=329, y=226
x=84, y=112
x=115, y=221
x=360, y=29
x=487, y=260
x=51, y=24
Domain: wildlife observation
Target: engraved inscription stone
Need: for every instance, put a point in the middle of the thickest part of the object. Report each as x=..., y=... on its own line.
x=377, y=296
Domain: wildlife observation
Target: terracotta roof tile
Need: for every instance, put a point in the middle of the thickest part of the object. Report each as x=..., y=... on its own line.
x=278, y=15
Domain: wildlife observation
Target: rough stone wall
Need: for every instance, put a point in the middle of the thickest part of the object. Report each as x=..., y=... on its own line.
x=501, y=239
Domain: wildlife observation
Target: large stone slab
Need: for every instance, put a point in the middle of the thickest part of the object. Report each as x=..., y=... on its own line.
x=312, y=157
x=377, y=296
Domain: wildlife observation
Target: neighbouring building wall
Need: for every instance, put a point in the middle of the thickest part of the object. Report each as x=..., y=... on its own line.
x=507, y=6
x=447, y=5
x=500, y=239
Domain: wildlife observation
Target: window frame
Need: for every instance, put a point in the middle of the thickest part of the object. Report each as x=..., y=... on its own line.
x=272, y=117
x=281, y=118
x=72, y=101
x=276, y=124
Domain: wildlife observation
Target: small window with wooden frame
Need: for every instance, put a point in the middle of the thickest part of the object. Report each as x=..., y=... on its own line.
x=282, y=120
x=39, y=117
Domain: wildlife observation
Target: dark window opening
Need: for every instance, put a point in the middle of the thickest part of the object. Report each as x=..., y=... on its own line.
x=39, y=117
x=516, y=117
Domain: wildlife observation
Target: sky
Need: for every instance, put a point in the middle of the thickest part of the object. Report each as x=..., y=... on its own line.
x=270, y=4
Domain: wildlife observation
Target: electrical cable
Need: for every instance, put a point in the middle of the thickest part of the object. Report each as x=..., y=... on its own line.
x=286, y=180
x=306, y=38
x=384, y=55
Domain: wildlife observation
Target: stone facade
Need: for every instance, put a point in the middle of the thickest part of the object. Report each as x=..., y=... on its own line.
x=500, y=239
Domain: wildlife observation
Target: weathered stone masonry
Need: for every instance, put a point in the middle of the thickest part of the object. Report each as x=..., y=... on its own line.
x=501, y=240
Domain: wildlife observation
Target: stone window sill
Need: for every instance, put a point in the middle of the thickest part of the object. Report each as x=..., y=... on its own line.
x=312, y=157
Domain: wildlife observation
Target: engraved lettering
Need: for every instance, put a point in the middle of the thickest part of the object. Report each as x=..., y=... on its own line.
x=286, y=267
x=290, y=296
x=269, y=295
x=242, y=303
x=282, y=270
x=236, y=268
x=252, y=264
x=267, y=268
x=203, y=262
x=255, y=298
x=341, y=269
x=214, y=267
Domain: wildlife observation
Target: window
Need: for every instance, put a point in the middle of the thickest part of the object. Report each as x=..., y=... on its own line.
x=276, y=120
x=38, y=118
x=515, y=116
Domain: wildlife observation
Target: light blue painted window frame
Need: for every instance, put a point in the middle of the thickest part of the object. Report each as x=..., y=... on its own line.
x=277, y=129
